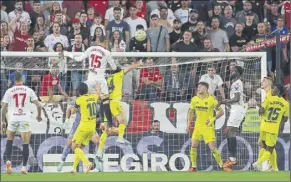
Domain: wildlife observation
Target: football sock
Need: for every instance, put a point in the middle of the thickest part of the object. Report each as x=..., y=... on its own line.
x=65, y=153
x=273, y=159
x=232, y=147
x=9, y=149
x=25, y=154
x=193, y=156
x=102, y=141
x=79, y=152
x=121, y=129
x=76, y=162
x=261, y=152
x=217, y=157
x=107, y=112
x=265, y=157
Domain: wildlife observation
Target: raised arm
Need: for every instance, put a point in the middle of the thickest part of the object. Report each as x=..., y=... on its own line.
x=38, y=107
x=133, y=66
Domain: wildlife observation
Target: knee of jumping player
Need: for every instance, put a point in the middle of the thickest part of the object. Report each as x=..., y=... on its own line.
x=194, y=143
x=75, y=145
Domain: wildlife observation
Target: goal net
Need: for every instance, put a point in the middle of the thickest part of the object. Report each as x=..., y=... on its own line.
x=156, y=99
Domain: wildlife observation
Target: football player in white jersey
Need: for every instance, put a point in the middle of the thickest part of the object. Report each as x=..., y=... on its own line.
x=236, y=116
x=18, y=100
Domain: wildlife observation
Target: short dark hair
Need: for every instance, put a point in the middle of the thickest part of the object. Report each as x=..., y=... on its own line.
x=156, y=121
x=83, y=88
x=131, y=6
x=97, y=15
x=78, y=34
x=139, y=27
x=117, y=9
x=18, y=77
x=36, y=1
x=154, y=16
x=58, y=12
x=239, y=69
x=213, y=18
x=204, y=84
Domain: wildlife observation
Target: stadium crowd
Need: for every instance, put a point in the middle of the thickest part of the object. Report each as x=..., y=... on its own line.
x=139, y=26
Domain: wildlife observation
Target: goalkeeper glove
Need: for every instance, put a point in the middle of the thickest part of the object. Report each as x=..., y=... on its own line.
x=66, y=124
x=210, y=121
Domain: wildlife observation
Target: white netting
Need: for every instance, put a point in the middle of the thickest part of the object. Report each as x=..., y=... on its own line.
x=166, y=100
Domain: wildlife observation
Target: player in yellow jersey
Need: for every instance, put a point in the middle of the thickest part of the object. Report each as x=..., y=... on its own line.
x=114, y=82
x=87, y=103
x=204, y=105
x=267, y=85
x=274, y=111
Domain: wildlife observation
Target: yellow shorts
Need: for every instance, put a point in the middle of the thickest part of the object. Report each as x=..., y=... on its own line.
x=115, y=107
x=206, y=133
x=269, y=138
x=83, y=135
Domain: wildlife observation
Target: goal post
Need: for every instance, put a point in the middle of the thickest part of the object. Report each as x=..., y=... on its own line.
x=150, y=150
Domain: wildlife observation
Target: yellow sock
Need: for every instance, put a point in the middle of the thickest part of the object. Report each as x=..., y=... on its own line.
x=265, y=157
x=76, y=161
x=273, y=159
x=79, y=152
x=261, y=152
x=121, y=129
x=217, y=157
x=102, y=141
x=193, y=156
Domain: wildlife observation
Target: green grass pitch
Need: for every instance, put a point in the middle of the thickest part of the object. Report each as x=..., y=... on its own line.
x=152, y=176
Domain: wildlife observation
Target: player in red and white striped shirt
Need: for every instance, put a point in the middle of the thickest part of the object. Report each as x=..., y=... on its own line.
x=18, y=101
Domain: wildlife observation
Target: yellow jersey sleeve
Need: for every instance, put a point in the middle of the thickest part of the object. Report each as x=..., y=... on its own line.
x=192, y=104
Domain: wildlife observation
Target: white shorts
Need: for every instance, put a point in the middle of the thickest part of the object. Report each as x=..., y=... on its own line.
x=92, y=85
x=236, y=116
x=20, y=126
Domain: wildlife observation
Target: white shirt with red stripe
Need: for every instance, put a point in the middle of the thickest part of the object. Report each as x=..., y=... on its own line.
x=19, y=99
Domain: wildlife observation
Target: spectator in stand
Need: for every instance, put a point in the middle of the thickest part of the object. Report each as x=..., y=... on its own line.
x=191, y=23
x=55, y=37
x=59, y=19
x=99, y=38
x=20, y=36
x=164, y=21
x=250, y=28
x=174, y=5
x=218, y=37
x=138, y=43
x=4, y=16
x=150, y=81
x=55, y=7
x=8, y=6
x=204, y=9
x=200, y=35
x=19, y=69
x=77, y=30
x=227, y=22
x=35, y=13
x=274, y=14
x=30, y=43
x=6, y=29
x=91, y=16
x=280, y=26
x=97, y=23
x=3, y=80
x=84, y=22
x=176, y=84
x=118, y=24
x=78, y=74
x=39, y=45
x=183, y=12
x=19, y=14
x=61, y=63
x=40, y=26
x=185, y=45
x=158, y=37
x=141, y=9
x=285, y=11
x=214, y=81
x=258, y=8
x=99, y=6
x=110, y=13
x=238, y=40
x=155, y=129
x=260, y=37
x=5, y=43
x=70, y=8
x=208, y=46
x=116, y=43
x=134, y=20
x=241, y=15
x=176, y=34
x=163, y=5
x=217, y=11
x=48, y=85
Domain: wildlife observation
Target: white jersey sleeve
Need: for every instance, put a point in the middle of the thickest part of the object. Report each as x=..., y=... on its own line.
x=19, y=100
x=237, y=87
